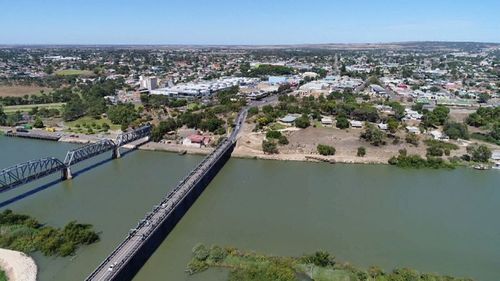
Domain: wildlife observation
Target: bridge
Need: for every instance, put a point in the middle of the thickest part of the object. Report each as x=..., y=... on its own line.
x=35, y=169
x=129, y=256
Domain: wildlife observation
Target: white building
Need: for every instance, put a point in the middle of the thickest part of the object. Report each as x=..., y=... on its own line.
x=150, y=83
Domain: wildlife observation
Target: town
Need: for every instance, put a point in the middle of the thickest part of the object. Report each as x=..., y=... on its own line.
x=406, y=105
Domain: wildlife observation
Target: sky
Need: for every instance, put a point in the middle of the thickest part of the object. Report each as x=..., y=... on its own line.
x=249, y=22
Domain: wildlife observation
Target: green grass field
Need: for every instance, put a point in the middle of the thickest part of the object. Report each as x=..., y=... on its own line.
x=28, y=107
x=82, y=125
x=3, y=276
x=74, y=72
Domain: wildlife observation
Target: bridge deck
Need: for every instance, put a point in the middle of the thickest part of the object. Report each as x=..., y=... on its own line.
x=129, y=247
x=153, y=220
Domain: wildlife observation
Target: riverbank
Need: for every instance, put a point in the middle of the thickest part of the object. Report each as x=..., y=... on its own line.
x=18, y=266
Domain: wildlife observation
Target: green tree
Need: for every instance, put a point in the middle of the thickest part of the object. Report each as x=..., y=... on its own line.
x=361, y=151
x=302, y=122
x=38, y=123
x=73, y=109
x=412, y=138
x=373, y=135
x=273, y=134
x=479, y=153
x=269, y=147
x=122, y=114
x=3, y=117
x=325, y=150
x=342, y=122
x=456, y=130
x=282, y=140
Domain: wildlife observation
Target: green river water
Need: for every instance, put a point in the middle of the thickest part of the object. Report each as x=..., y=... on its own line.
x=432, y=220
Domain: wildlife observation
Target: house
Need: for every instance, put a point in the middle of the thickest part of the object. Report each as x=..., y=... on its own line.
x=196, y=141
x=413, y=130
x=495, y=155
x=382, y=126
x=327, y=121
x=289, y=119
x=437, y=135
x=356, y=124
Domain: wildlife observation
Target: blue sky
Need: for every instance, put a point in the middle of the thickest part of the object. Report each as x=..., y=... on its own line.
x=246, y=21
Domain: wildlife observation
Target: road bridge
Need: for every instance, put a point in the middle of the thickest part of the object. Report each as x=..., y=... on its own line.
x=131, y=254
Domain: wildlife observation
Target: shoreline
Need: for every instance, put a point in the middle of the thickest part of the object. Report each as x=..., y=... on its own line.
x=18, y=266
x=242, y=154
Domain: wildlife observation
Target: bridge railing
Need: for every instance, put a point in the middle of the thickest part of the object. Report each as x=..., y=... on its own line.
x=134, y=135
x=28, y=171
x=88, y=151
x=167, y=205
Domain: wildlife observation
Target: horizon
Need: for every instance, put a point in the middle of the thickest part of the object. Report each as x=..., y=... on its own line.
x=230, y=23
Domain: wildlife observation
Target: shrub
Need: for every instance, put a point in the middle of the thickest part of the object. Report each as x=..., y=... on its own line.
x=273, y=134
x=342, y=122
x=283, y=140
x=479, y=153
x=361, y=151
x=325, y=150
x=303, y=122
x=269, y=147
x=456, y=130
x=373, y=135
x=412, y=138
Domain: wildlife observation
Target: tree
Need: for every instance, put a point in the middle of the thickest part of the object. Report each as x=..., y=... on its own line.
x=38, y=123
x=456, y=130
x=483, y=98
x=282, y=140
x=436, y=117
x=325, y=150
x=480, y=153
x=342, y=122
x=122, y=114
x=269, y=147
x=392, y=125
x=361, y=151
x=273, y=134
x=3, y=117
x=412, y=138
x=373, y=135
x=73, y=109
x=302, y=122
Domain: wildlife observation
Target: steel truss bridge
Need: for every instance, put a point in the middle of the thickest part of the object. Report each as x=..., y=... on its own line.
x=35, y=169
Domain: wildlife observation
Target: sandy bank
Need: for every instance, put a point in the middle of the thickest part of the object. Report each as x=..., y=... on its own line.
x=18, y=266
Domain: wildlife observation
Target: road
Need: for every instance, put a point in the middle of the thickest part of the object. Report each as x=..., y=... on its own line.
x=137, y=236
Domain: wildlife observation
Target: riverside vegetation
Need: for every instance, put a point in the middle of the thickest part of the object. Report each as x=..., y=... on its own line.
x=25, y=234
x=320, y=266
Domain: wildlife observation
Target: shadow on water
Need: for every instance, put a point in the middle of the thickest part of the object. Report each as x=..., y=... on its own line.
x=55, y=182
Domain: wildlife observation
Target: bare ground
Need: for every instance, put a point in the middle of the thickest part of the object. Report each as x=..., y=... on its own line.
x=20, y=91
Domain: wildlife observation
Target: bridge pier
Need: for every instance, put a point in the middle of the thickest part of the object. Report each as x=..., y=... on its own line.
x=116, y=153
x=66, y=173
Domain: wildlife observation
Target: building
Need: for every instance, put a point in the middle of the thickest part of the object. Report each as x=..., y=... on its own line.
x=356, y=124
x=196, y=141
x=150, y=83
x=327, y=121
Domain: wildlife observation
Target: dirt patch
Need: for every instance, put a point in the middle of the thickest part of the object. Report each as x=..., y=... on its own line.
x=20, y=91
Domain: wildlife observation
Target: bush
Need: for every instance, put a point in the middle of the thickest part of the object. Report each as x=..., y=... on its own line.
x=302, y=122
x=269, y=147
x=373, y=135
x=283, y=140
x=319, y=258
x=361, y=151
x=38, y=123
x=273, y=134
x=412, y=138
x=325, y=150
x=456, y=130
x=342, y=122
x=200, y=252
x=479, y=153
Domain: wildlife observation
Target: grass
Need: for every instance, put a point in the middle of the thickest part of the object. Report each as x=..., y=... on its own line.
x=277, y=126
x=28, y=107
x=74, y=72
x=21, y=91
x=82, y=125
x=3, y=276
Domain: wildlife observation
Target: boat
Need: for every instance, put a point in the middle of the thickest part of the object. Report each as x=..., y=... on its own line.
x=182, y=152
x=481, y=167
x=496, y=166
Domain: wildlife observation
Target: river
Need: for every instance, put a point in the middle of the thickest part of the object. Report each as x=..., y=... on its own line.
x=432, y=220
